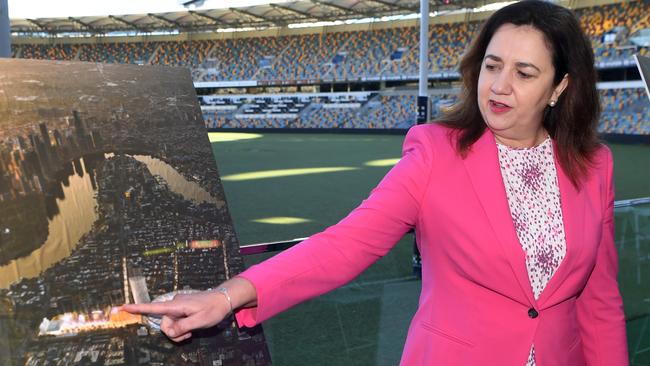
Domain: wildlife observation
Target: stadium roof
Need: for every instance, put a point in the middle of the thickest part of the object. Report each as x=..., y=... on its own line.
x=258, y=16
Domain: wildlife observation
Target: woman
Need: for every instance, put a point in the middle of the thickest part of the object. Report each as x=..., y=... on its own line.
x=511, y=198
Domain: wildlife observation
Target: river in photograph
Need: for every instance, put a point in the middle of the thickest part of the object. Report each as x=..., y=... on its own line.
x=77, y=212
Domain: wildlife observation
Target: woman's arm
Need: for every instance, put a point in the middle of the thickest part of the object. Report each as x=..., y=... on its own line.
x=337, y=255
x=600, y=307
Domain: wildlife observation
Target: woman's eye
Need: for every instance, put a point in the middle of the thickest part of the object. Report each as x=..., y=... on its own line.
x=523, y=75
x=490, y=67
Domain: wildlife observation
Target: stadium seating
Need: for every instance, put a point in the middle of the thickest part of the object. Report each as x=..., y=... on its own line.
x=369, y=53
x=625, y=111
x=48, y=52
x=600, y=20
x=354, y=55
x=14, y=50
x=241, y=59
x=132, y=53
x=344, y=55
x=306, y=57
x=190, y=54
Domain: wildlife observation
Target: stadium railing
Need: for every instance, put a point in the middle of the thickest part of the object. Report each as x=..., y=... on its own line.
x=625, y=111
x=367, y=320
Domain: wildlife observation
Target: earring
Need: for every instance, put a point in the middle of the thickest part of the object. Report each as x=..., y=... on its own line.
x=552, y=103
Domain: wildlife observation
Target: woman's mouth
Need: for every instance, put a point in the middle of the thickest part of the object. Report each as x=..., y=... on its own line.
x=498, y=108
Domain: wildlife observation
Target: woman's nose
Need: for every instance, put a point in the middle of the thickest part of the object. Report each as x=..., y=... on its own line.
x=502, y=83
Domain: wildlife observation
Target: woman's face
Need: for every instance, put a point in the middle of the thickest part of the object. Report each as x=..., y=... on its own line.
x=516, y=83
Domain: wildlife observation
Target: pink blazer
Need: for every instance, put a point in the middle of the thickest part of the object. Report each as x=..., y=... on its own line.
x=476, y=306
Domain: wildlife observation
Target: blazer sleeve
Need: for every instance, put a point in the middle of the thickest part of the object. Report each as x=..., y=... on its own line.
x=337, y=255
x=599, y=307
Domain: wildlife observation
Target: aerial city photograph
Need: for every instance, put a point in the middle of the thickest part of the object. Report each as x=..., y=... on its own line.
x=110, y=194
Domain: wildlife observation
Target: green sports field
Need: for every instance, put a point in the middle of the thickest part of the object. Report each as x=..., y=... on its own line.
x=281, y=186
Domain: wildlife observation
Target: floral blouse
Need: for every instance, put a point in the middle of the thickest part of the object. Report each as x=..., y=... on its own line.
x=533, y=194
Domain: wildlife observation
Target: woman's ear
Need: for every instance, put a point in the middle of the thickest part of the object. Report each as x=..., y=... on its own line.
x=561, y=86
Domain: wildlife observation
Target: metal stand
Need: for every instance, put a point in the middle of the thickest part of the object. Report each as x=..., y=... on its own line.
x=423, y=102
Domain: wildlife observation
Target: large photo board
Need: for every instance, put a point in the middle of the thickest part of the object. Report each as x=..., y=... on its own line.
x=109, y=194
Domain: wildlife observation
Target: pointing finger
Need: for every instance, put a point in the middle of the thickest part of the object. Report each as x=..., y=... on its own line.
x=158, y=308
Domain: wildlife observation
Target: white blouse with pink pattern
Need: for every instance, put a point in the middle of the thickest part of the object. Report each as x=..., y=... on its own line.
x=533, y=193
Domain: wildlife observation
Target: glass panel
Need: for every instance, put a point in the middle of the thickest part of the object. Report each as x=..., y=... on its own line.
x=633, y=244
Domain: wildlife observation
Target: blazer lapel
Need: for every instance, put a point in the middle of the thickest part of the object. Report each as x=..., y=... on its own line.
x=573, y=210
x=482, y=165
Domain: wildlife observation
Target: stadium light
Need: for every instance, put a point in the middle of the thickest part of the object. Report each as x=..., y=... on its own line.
x=191, y=3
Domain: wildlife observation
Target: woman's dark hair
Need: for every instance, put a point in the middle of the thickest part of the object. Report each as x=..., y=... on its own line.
x=572, y=122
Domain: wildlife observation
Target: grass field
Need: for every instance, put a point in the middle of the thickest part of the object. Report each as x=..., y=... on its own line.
x=284, y=186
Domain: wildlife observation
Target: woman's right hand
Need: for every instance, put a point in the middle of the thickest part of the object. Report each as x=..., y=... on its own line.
x=186, y=312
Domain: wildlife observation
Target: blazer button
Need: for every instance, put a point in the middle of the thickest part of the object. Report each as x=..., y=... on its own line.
x=532, y=313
